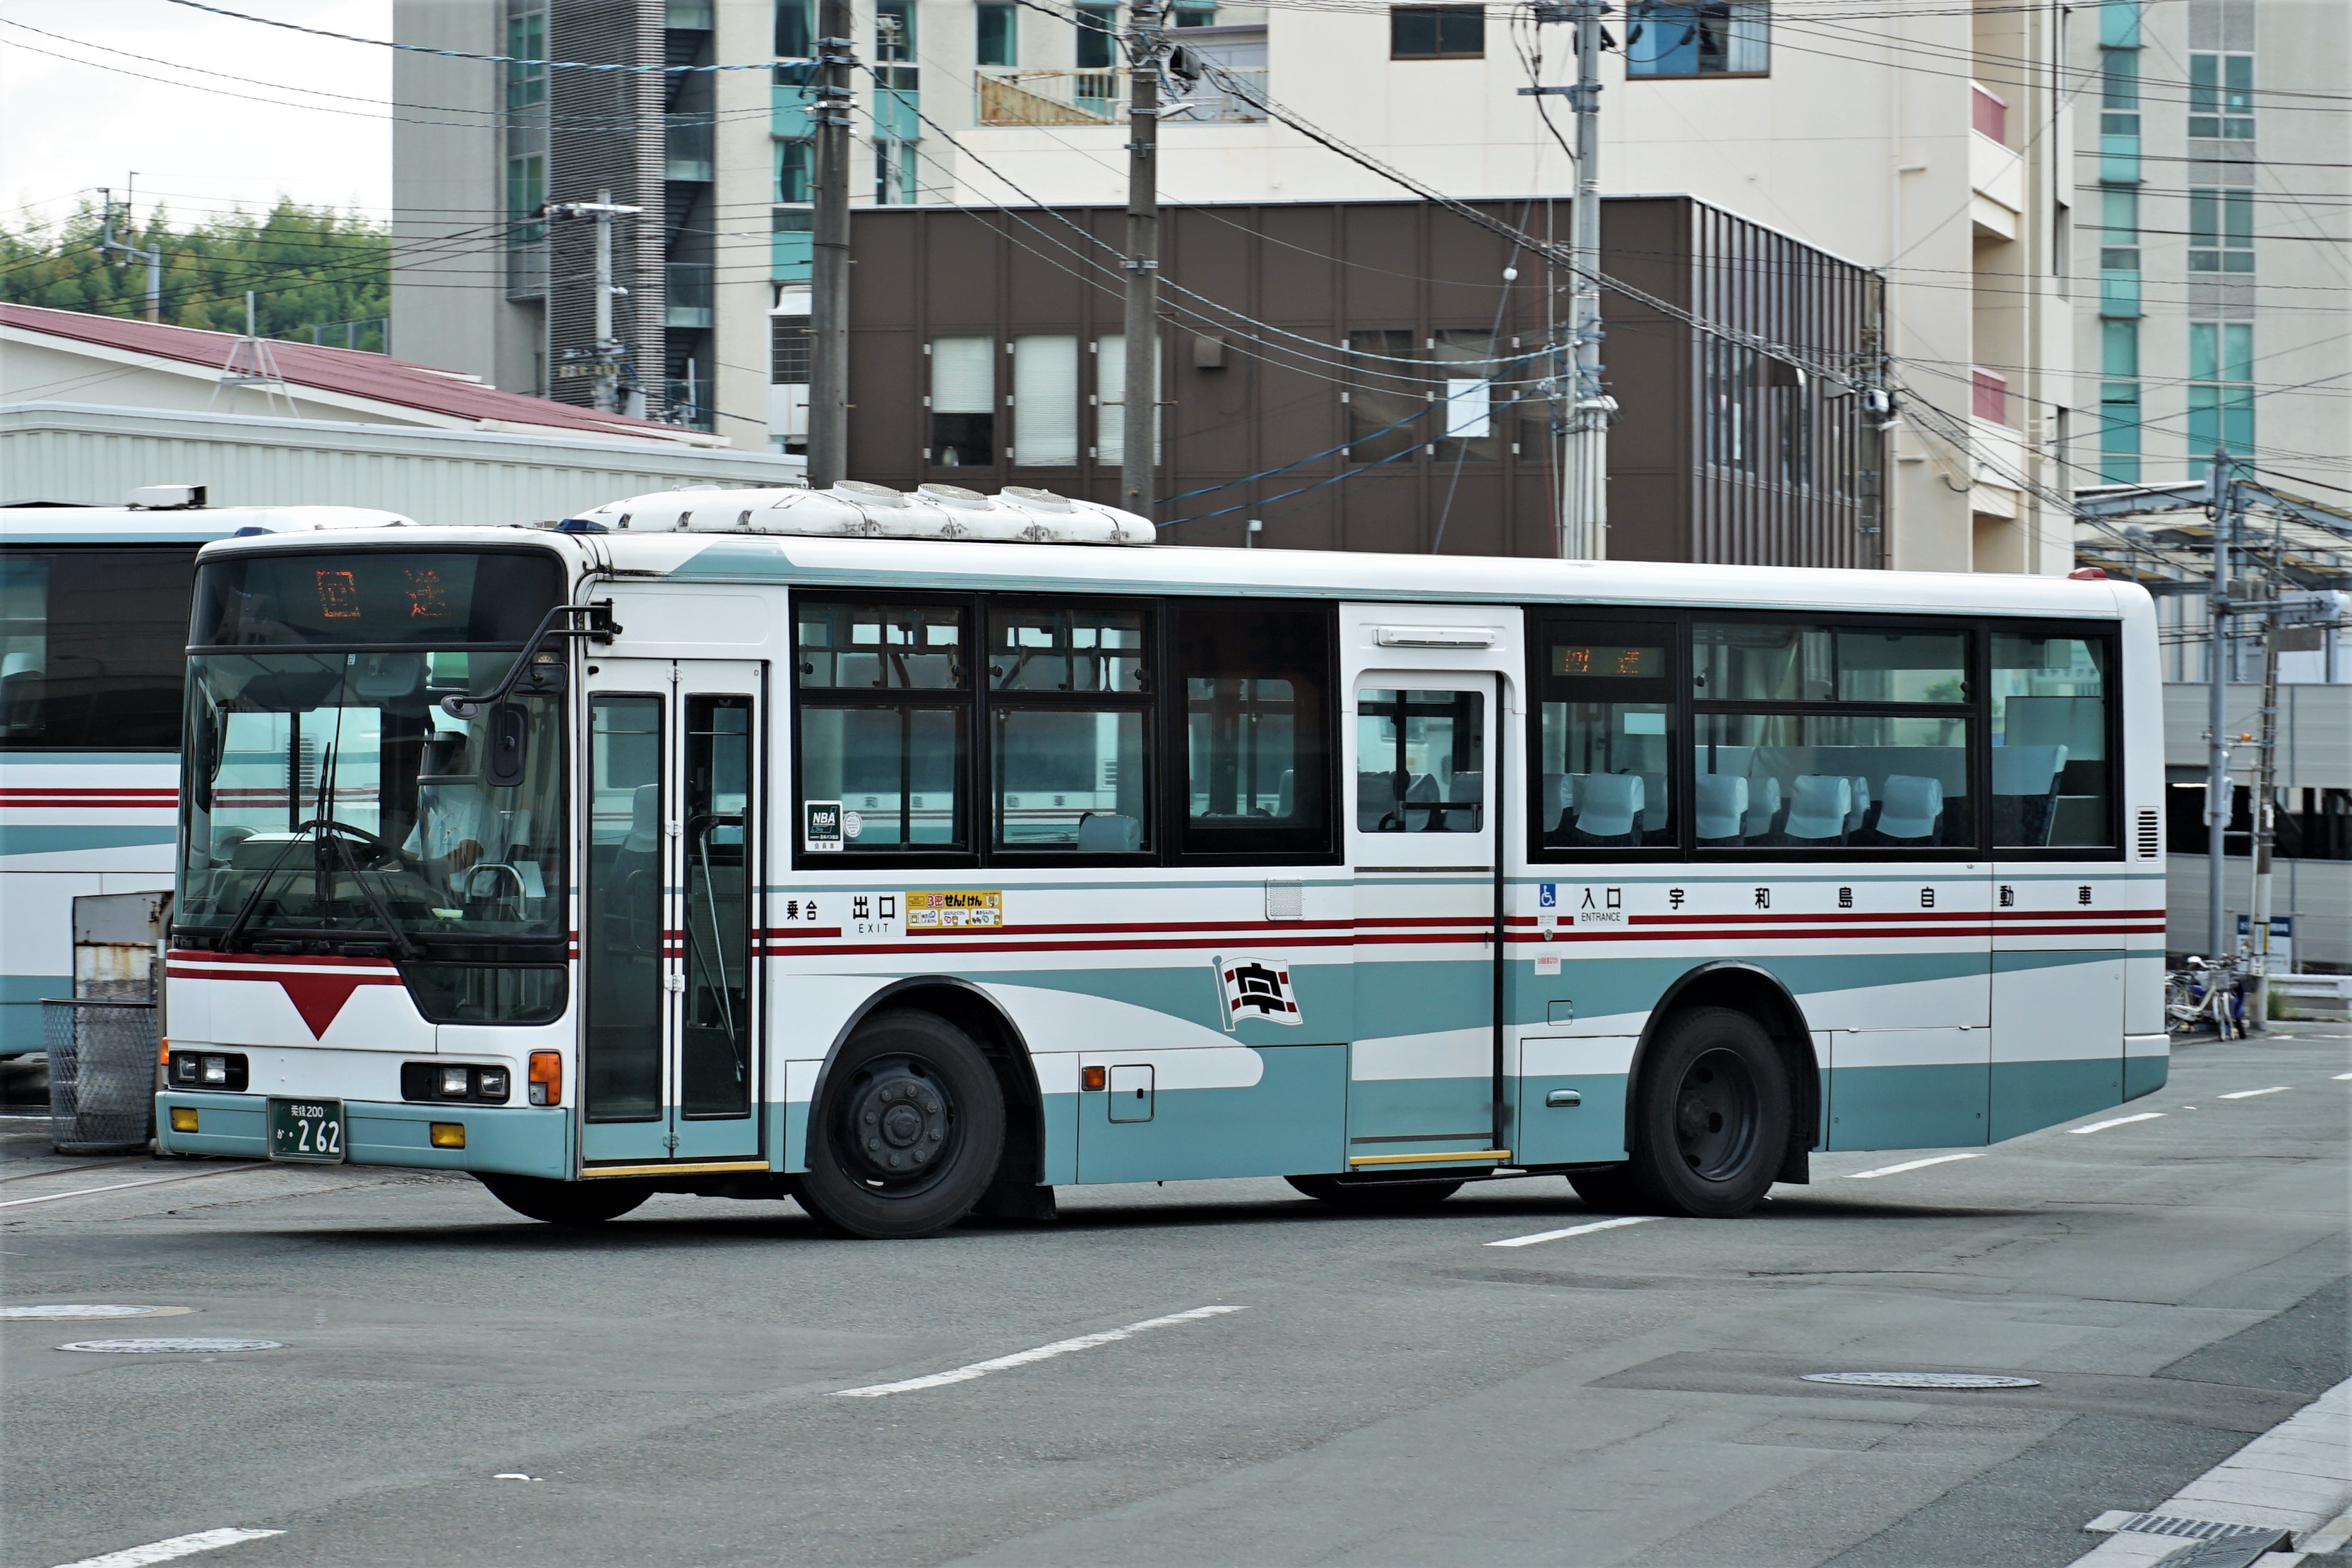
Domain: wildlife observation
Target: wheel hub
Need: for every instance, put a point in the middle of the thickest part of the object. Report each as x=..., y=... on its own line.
x=899, y=1122
x=1715, y=1112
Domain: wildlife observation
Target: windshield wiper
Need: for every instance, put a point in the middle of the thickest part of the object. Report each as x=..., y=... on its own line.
x=316, y=832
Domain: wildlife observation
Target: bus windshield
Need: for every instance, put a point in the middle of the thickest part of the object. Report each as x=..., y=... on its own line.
x=328, y=792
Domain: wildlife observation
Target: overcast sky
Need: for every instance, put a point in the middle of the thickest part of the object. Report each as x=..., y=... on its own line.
x=67, y=128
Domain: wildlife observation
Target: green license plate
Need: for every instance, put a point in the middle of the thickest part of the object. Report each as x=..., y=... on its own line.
x=307, y=1130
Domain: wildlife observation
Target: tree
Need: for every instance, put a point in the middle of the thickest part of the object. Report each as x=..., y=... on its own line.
x=308, y=266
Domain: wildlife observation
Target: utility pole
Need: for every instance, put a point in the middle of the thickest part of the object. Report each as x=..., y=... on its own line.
x=601, y=212
x=2225, y=500
x=1584, y=460
x=2266, y=824
x=828, y=395
x=153, y=256
x=1142, y=421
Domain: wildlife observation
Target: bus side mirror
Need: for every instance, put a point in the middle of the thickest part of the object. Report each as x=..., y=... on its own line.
x=509, y=747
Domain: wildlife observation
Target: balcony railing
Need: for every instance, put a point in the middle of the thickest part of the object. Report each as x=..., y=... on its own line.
x=1011, y=95
x=686, y=293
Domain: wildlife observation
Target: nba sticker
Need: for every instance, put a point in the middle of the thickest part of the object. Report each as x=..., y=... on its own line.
x=933, y=912
x=820, y=826
x=1258, y=988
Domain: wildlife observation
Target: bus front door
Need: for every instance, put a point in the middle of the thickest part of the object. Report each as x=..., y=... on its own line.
x=1422, y=754
x=670, y=802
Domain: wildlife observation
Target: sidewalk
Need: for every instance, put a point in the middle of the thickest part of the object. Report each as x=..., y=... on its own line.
x=2295, y=1476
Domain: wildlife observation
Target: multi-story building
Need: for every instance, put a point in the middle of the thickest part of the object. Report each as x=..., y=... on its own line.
x=1928, y=145
x=2215, y=300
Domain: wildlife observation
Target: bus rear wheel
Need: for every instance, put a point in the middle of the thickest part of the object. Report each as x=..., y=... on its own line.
x=566, y=1203
x=1359, y=1196
x=909, y=1130
x=1711, y=1117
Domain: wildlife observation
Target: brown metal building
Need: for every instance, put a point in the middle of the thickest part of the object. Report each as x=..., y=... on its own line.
x=1359, y=375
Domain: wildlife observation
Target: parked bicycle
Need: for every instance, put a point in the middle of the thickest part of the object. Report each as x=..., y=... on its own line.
x=2206, y=996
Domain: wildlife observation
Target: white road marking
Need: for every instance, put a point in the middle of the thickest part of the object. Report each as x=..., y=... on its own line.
x=120, y=1186
x=2341, y=1077
x=1909, y=1166
x=2251, y=1093
x=1024, y=1357
x=178, y=1546
x=2119, y=1122
x=1574, y=1231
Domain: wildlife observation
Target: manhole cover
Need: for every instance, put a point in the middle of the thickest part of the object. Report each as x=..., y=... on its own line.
x=1922, y=1380
x=162, y=1347
x=72, y=1311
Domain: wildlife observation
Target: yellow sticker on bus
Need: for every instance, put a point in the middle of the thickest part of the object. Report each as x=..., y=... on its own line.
x=956, y=911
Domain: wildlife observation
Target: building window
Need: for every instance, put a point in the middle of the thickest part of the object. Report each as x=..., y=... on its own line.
x=1110, y=400
x=790, y=344
x=1000, y=35
x=2220, y=391
x=526, y=193
x=794, y=158
x=1386, y=400
x=2119, y=433
x=894, y=31
x=1728, y=414
x=1097, y=28
x=2220, y=231
x=795, y=37
x=1698, y=37
x=2221, y=96
x=963, y=403
x=527, y=64
x=1045, y=401
x=1988, y=395
x=1437, y=32
x=1468, y=428
x=2118, y=251
x=1196, y=13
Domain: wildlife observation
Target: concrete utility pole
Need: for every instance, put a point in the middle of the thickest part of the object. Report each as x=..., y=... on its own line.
x=2258, y=925
x=1584, y=456
x=153, y=256
x=828, y=395
x=2224, y=497
x=601, y=212
x=1146, y=40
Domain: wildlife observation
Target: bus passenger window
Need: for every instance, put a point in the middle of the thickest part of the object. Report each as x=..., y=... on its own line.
x=884, y=722
x=2052, y=785
x=1421, y=762
x=1069, y=713
x=1604, y=775
x=1256, y=728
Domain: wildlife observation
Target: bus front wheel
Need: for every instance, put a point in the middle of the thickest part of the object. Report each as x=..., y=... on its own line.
x=907, y=1137
x=1711, y=1117
x=567, y=1203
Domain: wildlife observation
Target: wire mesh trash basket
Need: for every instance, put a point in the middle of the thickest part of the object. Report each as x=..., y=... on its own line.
x=102, y=1074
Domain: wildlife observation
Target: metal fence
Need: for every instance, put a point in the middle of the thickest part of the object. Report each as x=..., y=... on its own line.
x=102, y=1074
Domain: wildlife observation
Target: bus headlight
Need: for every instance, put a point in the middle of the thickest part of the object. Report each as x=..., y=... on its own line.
x=456, y=1083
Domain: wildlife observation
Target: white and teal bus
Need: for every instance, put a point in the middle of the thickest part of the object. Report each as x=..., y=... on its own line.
x=914, y=854
x=93, y=616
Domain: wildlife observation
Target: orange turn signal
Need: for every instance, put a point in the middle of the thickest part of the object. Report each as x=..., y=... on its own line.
x=1094, y=1078
x=184, y=1118
x=546, y=1078
x=163, y=1052
x=448, y=1134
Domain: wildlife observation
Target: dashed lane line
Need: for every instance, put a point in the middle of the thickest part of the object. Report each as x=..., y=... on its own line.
x=2118, y=1122
x=1541, y=1236
x=1026, y=1357
x=2256, y=1094
x=1909, y=1166
x=122, y=1185
x=178, y=1546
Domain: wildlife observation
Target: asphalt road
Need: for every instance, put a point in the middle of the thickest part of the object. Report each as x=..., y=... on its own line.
x=1389, y=1391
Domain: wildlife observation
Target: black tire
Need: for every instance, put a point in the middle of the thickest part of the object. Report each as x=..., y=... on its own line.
x=1610, y=1191
x=1711, y=1117
x=909, y=1130
x=1358, y=1196
x=566, y=1203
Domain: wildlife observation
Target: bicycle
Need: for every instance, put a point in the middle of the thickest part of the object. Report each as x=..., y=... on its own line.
x=2206, y=996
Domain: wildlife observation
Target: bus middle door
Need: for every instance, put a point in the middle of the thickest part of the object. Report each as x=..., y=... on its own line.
x=1423, y=770
x=671, y=1059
